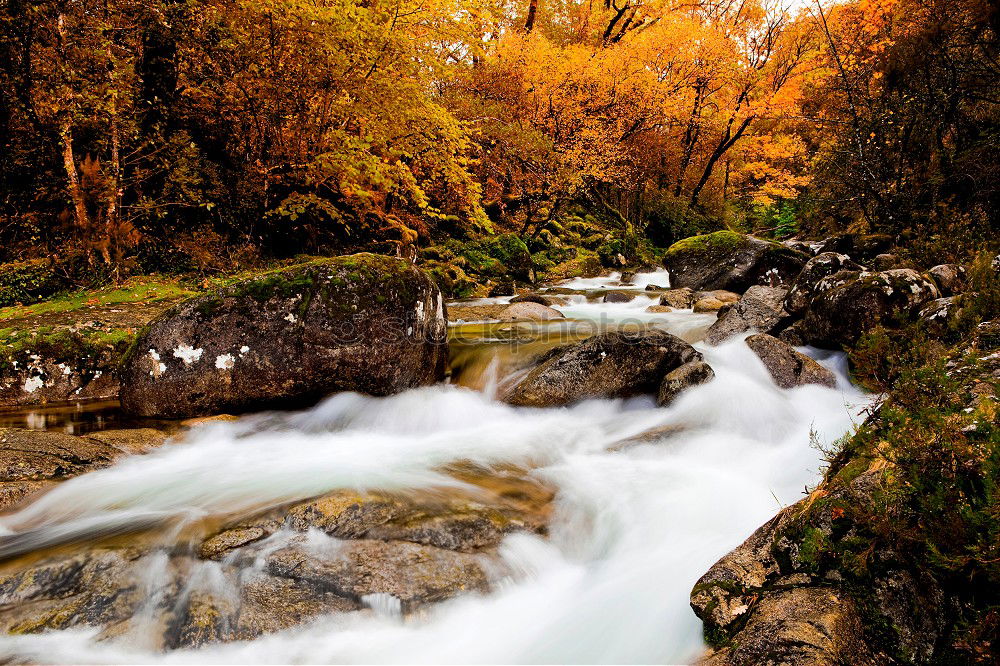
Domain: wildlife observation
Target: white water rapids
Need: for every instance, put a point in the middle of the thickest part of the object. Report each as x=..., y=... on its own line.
x=634, y=526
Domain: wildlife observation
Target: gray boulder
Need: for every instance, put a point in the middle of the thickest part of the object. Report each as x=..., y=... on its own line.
x=816, y=269
x=364, y=323
x=759, y=309
x=850, y=303
x=729, y=260
x=610, y=365
x=788, y=368
x=950, y=278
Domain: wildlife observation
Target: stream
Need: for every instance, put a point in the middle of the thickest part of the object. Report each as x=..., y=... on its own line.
x=647, y=498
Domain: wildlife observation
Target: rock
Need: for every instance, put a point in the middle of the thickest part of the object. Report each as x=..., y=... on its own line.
x=618, y=297
x=816, y=269
x=885, y=262
x=654, y=287
x=792, y=336
x=627, y=277
x=805, y=247
x=610, y=365
x=721, y=295
x=939, y=315
x=132, y=441
x=708, y=304
x=532, y=298
x=788, y=367
x=759, y=309
x=678, y=298
x=849, y=303
x=807, y=626
x=92, y=588
x=32, y=460
x=680, y=379
x=950, y=278
x=502, y=288
x=728, y=260
x=659, y=308
x=862, y=247
x=412, y=573
x=363, y=323
x=529, y=311
x=40, y=367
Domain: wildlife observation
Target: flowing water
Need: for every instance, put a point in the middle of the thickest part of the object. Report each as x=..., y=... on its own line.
x=647, y=499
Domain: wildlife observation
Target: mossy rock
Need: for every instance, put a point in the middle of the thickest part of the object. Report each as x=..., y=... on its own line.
x=363, y=322
x=732, y=261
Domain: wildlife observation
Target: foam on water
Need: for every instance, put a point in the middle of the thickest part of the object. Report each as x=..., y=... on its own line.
x=634, y=525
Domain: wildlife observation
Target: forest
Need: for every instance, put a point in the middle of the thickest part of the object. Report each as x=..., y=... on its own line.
x=182, y=136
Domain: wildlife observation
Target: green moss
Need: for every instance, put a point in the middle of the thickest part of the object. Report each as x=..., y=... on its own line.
x=87, y=348
x=150, y=289
x=713, y=242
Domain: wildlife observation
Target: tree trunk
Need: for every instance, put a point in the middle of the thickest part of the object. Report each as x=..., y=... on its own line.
x=529, y=23
x=80, y=214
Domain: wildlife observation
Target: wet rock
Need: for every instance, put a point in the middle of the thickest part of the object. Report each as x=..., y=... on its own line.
x=759, y=309
x=627, y=277
x=950, y=278
x=659, y=308
x=618, y=297
x=532, y=298
x=680, y=379
x=814, y=626
x=885, y=262
x=529, y=311
x=33, y=460
x=792, y=336
x=678, y=298
x=221, y=544
x=849, y=303
x=92, y=588
x=412, y=573
x=503, y=288
x=708, y=304
x=722, y=295
x=788, y=367
x=861, y=247
x=728, y=260
x=816, y=269
x=654, y=287
x=363, y=323
x=610, y=365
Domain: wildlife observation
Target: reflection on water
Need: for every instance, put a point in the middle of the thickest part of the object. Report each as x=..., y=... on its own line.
x=77, y=418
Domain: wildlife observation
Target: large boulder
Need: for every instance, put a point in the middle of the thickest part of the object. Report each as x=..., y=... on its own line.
x=678, y=298
x=816, y=269
x=862, y=247
x=364, y=323
x=788, y=367
x=610, y=365
x=759, y=309
x=728, y=260
x=850, y=303
x=529, y=311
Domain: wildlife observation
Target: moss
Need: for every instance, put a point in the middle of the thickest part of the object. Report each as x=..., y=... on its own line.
x=149, y=289
x=718, y=241
x=83, y=349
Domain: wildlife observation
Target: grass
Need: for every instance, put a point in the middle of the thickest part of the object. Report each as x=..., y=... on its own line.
x=144, y=289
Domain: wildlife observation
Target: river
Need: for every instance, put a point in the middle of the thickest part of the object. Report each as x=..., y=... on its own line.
x=647, y=499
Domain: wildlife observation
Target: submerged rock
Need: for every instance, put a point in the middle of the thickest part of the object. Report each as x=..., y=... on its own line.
x=610, y=365
x=849, y=303
x=759, y=309
x=788, y=367
x=618, y=297
x=729, y=260
x=680, y=379
x=363, y=323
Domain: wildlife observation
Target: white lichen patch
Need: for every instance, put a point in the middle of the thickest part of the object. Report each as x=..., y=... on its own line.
x=65, y=368
x=291, y=317
x=188, y=354
x=243, y=350
x=32, y=384
x=224, y=361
